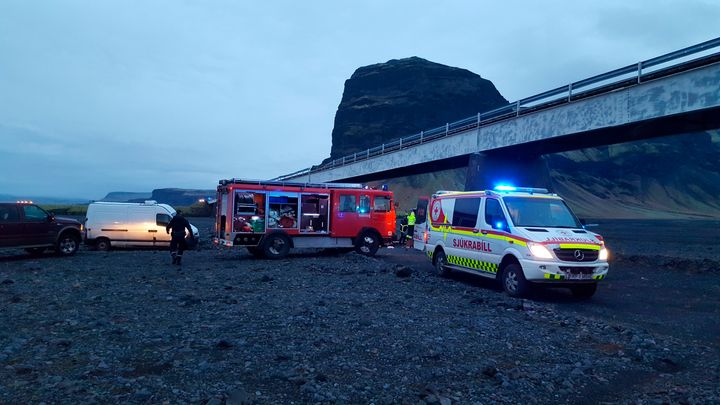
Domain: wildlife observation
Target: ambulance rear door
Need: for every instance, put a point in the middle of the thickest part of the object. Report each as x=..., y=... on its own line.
x=421, y=230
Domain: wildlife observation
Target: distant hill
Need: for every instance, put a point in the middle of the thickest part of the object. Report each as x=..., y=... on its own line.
x=42, y=200
x=125, y=196
x=172, y=196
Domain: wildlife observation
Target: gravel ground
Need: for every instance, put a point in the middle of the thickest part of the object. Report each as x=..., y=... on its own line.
x=128, y=327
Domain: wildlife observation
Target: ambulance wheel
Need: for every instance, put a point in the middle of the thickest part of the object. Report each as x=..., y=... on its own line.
x=276, y=246
x=514, y=282
x=441, y=264
x=102, y=244
x=255, y=251
x=367, y=244
x=584, y=291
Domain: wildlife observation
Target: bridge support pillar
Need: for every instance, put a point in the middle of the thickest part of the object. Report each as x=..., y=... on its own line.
x=486, y=170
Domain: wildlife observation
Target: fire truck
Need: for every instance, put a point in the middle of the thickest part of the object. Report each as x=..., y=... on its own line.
x=271, y=217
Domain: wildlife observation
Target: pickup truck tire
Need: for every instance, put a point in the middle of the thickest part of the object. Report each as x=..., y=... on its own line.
x=67, y=244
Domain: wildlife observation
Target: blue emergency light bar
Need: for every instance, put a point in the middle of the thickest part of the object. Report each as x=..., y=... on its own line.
x=531, y=190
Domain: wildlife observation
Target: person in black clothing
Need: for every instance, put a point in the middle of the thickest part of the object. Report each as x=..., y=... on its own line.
x=178, y=224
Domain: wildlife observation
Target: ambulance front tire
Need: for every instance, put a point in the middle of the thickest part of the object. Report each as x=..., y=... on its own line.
x=367, y=243
x=441, y=264
x=583, y=291
x=276, y=246
x=514, y=282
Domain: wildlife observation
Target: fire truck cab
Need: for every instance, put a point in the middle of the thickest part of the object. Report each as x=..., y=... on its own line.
x=270, y=217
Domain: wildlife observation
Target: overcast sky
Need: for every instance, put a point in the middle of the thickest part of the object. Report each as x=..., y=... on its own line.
x=99, y=96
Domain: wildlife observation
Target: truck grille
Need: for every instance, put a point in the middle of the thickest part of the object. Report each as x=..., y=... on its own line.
x=572, y=255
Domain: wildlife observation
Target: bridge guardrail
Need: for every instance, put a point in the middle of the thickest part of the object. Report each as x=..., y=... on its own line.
x=598, y=84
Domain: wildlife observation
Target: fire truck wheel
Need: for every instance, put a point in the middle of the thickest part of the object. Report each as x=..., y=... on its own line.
x=440, y=264
x=584, y=291
x=367, y=244
x=514, y=282
x=256, y=251
x=276, y=246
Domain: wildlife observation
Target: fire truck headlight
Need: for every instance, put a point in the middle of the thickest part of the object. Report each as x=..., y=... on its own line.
x=603, y=254
x=539, y=251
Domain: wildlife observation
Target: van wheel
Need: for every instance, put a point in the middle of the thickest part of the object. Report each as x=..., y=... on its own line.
x=584, y=291
x=255, y=251
x=35, y=251
x=514, y=282
x=276, y=246
x=102, y=244
x=441, y=264
x=367, y=244
x=68, y=244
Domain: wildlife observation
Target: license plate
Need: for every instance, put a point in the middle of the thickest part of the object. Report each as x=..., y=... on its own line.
x=580, y=276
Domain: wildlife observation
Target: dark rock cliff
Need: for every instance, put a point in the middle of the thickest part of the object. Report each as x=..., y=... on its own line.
x=401, y=97
x=670, y=177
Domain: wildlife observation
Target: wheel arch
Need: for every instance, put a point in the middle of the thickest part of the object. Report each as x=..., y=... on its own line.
x=438, y=248
x=508, y=258
x=69, y=230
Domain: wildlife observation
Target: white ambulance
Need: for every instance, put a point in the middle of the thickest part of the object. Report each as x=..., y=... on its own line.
x=519, y=236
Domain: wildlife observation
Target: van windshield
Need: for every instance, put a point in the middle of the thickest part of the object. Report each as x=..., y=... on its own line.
x=540, y=212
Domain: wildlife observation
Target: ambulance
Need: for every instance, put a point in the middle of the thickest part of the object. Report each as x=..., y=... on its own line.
x=516, y=235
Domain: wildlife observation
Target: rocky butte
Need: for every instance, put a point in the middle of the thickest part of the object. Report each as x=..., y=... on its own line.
x=669, y=177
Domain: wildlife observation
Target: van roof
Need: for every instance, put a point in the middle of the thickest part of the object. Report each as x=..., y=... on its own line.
x=133, y=204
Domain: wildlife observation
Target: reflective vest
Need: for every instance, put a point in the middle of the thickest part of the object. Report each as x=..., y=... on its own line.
x=411, y=219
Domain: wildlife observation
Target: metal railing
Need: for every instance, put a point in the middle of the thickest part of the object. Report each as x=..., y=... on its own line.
x=661, y=66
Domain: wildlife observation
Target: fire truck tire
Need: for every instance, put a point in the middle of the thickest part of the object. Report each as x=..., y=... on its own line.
x=256, y=251
x=514, y=282
x=367, y=243
x=584, y=291
x=440, y=263
x=102, y=244
x=276, y=246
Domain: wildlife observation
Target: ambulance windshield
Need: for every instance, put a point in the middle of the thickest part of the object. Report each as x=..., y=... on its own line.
x=540, y=212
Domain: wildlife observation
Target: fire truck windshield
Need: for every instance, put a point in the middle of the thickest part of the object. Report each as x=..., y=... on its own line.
x=541, y=212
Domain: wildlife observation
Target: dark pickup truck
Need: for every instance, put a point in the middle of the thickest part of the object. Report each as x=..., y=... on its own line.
x=25, y=225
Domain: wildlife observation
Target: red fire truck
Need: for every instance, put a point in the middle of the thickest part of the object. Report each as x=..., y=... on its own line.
x=270, y=217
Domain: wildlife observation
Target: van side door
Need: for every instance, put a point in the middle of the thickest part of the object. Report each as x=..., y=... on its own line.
x=464, y=242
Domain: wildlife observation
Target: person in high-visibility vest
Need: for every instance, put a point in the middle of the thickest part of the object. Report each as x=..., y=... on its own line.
x=411, y=226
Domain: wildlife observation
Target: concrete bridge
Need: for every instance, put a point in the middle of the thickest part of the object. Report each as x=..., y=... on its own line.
x=671, y=94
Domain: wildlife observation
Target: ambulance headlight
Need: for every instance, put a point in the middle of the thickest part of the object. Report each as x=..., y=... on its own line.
x=603, y=254
x=539, y=251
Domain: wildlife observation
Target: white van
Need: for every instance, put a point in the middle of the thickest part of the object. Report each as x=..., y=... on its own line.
x=111, y=224
x=519, y=236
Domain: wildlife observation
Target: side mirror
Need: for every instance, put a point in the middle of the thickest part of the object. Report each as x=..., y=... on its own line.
x=51, y=217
